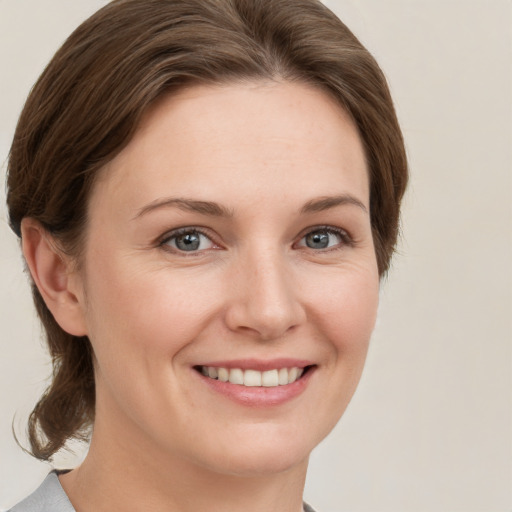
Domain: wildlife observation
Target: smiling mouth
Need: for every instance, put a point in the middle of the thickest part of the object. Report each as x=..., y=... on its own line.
x=254, y=378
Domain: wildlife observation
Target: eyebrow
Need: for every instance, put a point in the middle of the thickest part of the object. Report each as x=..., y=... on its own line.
x=213, y=209
x=327, y=202
x=192, y=205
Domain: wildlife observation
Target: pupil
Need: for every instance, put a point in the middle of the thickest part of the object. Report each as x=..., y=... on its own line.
x=317, y=240
x=189, y=242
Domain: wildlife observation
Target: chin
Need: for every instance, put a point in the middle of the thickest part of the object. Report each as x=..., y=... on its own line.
x=262, y=452
x=265, y=462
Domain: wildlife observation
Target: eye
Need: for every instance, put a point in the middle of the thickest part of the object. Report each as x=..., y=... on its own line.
x=325, y=238
x=188, y=240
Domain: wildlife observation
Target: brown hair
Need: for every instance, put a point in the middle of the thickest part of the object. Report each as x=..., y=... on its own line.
x=88, y=102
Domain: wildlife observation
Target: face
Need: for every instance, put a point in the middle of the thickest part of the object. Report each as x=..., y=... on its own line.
x=230, y=283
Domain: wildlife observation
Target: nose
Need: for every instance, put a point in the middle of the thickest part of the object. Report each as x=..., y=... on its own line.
x=264, y=298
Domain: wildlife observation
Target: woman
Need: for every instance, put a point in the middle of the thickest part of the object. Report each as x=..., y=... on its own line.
x=207, y=194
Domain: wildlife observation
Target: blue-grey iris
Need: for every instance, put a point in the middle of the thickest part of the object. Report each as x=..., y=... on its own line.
x=188, y=242
x=317, y=240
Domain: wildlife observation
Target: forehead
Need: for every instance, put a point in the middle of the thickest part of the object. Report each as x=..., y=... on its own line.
x=247, y=139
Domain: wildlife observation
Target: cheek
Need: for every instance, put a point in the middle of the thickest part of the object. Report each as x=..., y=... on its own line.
x=344, y=307
x=348, y=313
x=148, y=309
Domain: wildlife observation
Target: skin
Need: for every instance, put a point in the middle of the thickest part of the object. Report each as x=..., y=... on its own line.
x=253, y=289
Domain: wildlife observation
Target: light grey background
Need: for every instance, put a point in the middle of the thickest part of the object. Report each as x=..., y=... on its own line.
x=430, y=428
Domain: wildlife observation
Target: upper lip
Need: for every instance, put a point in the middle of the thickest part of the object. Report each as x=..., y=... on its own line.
x=260, y=364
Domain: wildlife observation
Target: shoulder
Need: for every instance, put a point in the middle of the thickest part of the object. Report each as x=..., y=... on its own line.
x=308, y=508
x=48, y=497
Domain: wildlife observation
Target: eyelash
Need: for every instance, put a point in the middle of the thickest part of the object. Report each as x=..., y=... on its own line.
x=183, y=231
x=346, y=239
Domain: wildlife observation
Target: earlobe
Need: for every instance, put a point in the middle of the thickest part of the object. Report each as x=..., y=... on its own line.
x=53, y=275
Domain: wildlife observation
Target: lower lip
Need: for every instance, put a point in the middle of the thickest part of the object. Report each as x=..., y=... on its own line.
x=259, y=396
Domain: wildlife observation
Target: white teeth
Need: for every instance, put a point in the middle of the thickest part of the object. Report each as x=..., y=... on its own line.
x=223, y=374
x=292, y=375
x=236, y=376
x=254, y=378
x=270, y=379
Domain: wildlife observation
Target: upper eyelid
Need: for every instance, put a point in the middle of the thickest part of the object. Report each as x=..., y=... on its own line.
x=325, y=227
x=332, y=229
x=183, y=230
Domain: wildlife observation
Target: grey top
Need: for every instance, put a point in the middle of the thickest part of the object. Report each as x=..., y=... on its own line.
x=50, y=497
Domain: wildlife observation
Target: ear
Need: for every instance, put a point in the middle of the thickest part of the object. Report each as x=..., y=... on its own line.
x=53, y=274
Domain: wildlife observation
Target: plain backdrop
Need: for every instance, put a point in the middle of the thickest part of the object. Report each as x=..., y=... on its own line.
x=429, y=428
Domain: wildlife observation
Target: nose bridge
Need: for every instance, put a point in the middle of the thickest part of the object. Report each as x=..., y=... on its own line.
x=265, y=301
